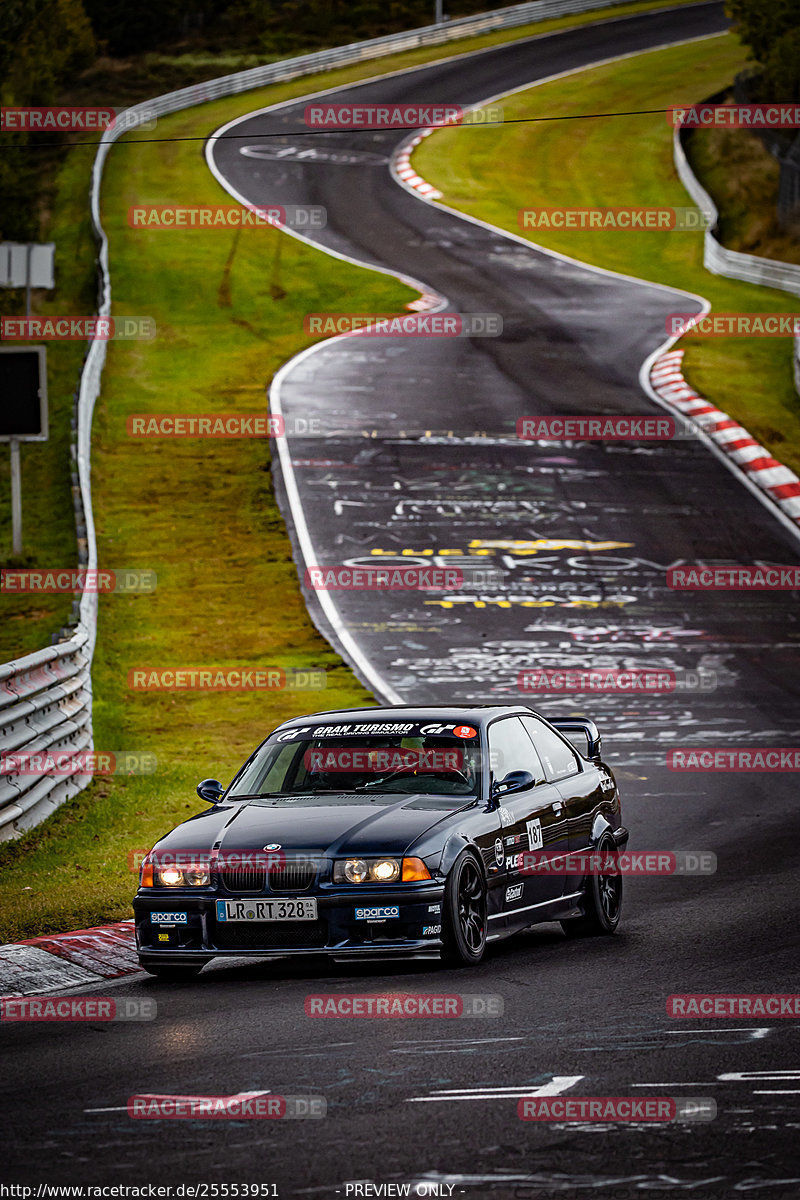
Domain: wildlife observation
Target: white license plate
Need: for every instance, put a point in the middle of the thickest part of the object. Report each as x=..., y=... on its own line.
x=267, y=910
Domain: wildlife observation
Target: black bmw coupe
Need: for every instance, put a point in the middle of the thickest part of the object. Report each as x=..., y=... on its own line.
x=380, y=832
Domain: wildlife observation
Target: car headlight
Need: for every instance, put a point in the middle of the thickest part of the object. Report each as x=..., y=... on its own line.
x=183, y=877
x=386, y=870
x=169, y=877
x=353, y=870
x=192, y=875
x=196, y=877
x=378, y=870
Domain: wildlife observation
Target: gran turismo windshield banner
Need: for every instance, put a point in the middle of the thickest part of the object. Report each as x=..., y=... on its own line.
x=395, y=756
x=378, y=729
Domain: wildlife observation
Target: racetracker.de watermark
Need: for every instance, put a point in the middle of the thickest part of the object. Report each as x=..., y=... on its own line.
x=734, y=1004
x=475, y=571
x=77, y=580
x=262, y=1106
x=235, y=679
x=78, y=762
x=596, y=429
x=67, y=119
x=624, y=862
x=379, y=760
x=76, y=1008
x=227, y=216
x=326, y=324
x=735, y=116
x=213, y=425
x=398, y=116
x=758, y=577
x=404, y=1004
x=219, y=860
x=77, y=329
x=632, y=680
x=724, y=758
x=619, y=218
x=376, y=579
x=594, y=1109
x=734, y=324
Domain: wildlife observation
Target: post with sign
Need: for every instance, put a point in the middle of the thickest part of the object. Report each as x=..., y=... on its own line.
x=23, y=374
x=23, y=415
x=28, y=265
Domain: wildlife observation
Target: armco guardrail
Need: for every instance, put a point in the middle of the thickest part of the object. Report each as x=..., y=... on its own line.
x=45, y=707
x=356, y=52
x=45, y=698
x=768, y=272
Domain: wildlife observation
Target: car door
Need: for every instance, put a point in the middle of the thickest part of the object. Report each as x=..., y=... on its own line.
x=578, y=783
x=531, y=819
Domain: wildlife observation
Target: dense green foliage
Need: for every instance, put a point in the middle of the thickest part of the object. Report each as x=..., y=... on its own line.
x=274, y=26
x=771, y=31
x=43, y=43
x=761, y=24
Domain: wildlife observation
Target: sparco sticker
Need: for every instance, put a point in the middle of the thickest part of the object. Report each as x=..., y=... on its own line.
x=377, y=914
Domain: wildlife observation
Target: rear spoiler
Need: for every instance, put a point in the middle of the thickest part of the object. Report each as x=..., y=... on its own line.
x=583, y=734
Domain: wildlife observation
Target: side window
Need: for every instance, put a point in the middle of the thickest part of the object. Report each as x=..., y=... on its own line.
x=510, y=749
x=558, y=757
x=268, y=771
x=277, y=776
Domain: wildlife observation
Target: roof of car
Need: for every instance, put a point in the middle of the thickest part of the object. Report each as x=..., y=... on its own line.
x=481, y=713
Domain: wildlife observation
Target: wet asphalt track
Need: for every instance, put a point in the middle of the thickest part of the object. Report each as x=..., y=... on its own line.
x=595, y=1010
x=419, y=452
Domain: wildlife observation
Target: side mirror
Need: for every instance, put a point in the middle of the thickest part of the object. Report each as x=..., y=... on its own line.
x=210, y=790
x=515, y=781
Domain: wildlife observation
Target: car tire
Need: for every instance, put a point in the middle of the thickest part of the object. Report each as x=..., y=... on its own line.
x=464, y=913
x=602, y=902
x=173, y=972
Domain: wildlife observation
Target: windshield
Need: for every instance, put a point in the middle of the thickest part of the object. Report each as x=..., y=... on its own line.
x=315, y=765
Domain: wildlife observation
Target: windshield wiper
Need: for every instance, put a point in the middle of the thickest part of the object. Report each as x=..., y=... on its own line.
x=256, y=795
x=304, y=792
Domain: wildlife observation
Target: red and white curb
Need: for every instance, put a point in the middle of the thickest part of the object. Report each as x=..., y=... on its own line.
x=426, y=302
x=402, y=168
x=755, y=462
x=68, y=960
x=406, y=175
x=752, y=459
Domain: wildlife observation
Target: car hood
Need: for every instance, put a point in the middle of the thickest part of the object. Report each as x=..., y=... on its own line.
x=329, y=825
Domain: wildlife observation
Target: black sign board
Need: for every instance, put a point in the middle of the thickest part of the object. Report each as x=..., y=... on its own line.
x=23, y=393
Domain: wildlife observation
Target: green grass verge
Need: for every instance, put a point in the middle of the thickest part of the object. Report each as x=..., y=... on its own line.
x=201, y=513
x=48, y=520
x=627, y=161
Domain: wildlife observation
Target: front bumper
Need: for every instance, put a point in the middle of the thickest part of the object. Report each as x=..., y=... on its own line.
x=196, y=935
